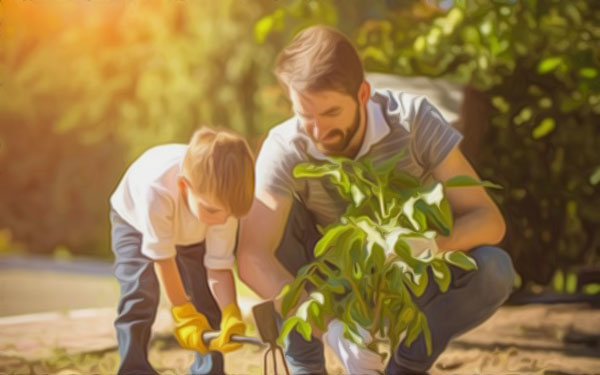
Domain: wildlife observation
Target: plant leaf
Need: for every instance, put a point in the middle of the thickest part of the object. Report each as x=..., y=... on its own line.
x=466, y=181
x=461, y=260
x=441, y=274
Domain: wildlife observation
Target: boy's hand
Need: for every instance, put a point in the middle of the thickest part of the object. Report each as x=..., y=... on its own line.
x=189, y=326
x=231, y=324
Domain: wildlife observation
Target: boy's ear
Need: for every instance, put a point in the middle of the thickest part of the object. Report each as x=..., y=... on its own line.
x=182, y=185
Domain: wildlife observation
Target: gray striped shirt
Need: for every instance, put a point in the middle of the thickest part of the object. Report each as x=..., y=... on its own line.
x=395, y=120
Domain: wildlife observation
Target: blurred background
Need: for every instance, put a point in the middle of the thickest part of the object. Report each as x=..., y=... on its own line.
x=86, y=86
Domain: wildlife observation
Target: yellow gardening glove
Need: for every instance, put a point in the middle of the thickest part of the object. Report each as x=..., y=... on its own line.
x=231, y=324
x=189, y=326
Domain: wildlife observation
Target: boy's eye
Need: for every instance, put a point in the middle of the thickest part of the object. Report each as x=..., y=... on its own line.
x=209, y=209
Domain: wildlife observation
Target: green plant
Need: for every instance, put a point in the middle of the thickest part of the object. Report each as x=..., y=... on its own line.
x=364, y=272
x=532, y=68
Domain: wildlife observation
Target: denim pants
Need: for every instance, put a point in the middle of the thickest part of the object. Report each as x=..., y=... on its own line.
x=473, y=296
x=140, y=292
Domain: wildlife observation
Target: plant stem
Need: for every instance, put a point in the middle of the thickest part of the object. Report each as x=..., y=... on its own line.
x=377, y=310
x=358, y=295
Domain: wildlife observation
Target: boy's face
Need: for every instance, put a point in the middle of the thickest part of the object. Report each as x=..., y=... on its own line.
x=203, y=206
x=330, y=118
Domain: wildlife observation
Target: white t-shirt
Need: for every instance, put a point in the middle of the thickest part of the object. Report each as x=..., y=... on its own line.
x=149, y=199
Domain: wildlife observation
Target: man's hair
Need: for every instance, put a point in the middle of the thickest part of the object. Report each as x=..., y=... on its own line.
x=320, y=58
x=219, y=163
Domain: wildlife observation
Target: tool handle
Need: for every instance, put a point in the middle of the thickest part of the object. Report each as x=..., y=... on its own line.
x=210, y=335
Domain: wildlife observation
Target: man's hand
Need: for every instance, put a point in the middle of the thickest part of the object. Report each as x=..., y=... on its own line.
x=231, y=324
x=189, y=327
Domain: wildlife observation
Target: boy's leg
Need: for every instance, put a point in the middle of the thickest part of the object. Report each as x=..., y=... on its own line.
x=139, y=297
x=294, y=251
x=190, y=261
x=473, y=296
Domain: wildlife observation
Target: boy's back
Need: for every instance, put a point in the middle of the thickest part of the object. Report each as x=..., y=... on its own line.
x=148, y=198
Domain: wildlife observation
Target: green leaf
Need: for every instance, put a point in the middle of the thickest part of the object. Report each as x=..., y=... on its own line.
x=466, y=181
x=417, y=281
x=358, y=316
x=588, y=72
x=304, y=329
x=332, y=171
x=414, y=329
x=544, y=128
x=549, y=64
x=401, y=180
x=291, y=296
x=441, y=274
x=287, y=327
x=352, y=335
x=357, y=195
x=331, y=238
x=437, y=218
x=338, y=286
x=427, y=333
x=460, y=259
x=433, y=196
x=595, y=176
x=263, y=27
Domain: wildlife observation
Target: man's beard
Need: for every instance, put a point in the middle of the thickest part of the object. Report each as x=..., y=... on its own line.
x=345, y=137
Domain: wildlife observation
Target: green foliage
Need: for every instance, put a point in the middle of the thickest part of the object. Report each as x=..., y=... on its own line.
x=536, y=64
x=364, y=272
x=86, y=88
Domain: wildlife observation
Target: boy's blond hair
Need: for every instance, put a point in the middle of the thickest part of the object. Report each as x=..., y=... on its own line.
x=219, y=163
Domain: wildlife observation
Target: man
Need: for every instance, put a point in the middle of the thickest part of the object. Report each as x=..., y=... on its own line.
x=336, y=114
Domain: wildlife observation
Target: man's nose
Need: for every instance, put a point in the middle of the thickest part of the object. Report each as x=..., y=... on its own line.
x=319, y=130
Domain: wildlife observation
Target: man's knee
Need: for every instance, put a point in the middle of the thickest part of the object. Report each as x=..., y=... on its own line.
x=495, y=272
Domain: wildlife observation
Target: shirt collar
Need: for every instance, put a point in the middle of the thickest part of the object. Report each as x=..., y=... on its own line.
x=376, y=130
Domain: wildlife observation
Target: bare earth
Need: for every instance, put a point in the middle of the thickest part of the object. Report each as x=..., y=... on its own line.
x=72, y=333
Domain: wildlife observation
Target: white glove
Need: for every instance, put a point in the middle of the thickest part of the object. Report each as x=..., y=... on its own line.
x=356, y=360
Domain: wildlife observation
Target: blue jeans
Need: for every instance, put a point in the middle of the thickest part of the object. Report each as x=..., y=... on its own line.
x=140, y=294
x=472, y=297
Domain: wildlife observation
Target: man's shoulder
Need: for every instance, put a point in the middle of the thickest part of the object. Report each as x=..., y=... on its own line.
x=286, y=139
x=396, y=101
x=400, y=109
x=286, y=130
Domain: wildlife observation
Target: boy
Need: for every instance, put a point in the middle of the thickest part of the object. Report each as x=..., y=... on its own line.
x=174, y=221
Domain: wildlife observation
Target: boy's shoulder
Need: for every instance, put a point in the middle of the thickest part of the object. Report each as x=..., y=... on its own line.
x=157, y=168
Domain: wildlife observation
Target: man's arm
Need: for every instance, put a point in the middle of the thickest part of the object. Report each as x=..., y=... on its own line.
x=477, y=219
x=260, y=233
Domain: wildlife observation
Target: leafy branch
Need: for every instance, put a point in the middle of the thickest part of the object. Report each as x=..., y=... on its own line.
x=366, y=273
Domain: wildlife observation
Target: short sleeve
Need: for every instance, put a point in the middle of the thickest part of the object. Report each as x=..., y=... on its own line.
x=156, y=225
x=220, y=244
x=432, y=138
x=274, y=167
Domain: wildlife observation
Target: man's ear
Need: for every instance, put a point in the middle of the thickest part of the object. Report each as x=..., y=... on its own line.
x=364, y=92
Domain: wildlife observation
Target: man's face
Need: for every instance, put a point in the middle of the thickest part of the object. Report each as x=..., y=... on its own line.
x=330, y=118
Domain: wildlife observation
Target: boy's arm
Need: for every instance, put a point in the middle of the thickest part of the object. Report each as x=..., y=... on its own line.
x=189, y=323
x=222, y=286
x=168, y=275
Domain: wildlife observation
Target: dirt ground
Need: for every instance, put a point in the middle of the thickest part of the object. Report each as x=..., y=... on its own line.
x=533, y=339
